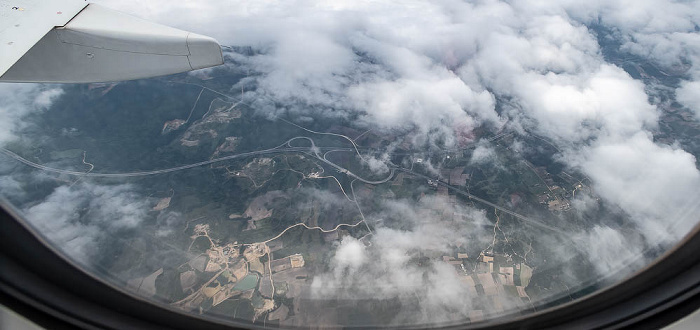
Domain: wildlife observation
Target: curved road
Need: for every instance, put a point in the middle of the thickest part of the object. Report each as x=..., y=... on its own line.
x=314, y=151
x=313, y=148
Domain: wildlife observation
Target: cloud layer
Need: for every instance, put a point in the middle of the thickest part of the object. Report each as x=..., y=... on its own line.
x=433, y=70
x=433, y=66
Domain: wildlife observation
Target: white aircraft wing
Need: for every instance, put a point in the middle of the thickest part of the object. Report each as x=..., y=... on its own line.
x=76, y=42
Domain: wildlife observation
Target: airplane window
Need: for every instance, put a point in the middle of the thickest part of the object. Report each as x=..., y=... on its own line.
x=373, y=163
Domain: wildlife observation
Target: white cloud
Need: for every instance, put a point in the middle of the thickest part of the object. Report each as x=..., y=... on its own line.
x=386, y=268
x=379, y=59
x=424, y=104
x=45, y=98
x=573, y=108
x=78, y=219
x=17, y=101
x=655, y=184
x=663, y=31
x=378, y=165
x=482, y=155
x=349, y=256
x=610, y=251
x=689, y=95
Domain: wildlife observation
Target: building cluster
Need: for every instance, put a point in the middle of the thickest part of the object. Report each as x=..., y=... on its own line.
x=461, y=257
x=497, y=283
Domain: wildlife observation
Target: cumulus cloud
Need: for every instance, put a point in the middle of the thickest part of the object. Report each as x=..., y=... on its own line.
x=387, y=265
x=343, y=60
x=378, y=165
x=689, y=96
x=19, y=100
x=482, y=154
x=387, y=273
x=78, y=219
x=655, y=184
x=610, y=250
x=665, y=32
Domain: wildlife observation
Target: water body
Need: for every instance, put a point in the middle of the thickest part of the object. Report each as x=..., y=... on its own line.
x=247, y=283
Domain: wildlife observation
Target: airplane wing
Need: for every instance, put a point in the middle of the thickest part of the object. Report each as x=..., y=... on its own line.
x=72, y=41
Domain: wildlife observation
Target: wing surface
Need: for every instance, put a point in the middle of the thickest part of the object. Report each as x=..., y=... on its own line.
x=24, y=23
x=76, y=42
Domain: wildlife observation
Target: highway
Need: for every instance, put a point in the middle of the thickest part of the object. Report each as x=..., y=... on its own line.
x=279, y=149
x=483, y=201
x=147, y=173
x=316, y=152
x=286, y=147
